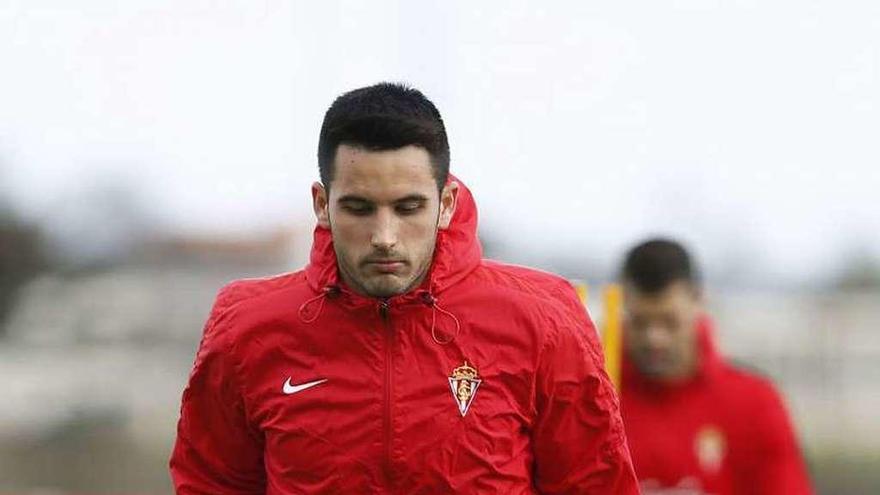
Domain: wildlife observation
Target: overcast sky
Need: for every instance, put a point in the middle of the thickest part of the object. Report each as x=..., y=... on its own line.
x=749, y=128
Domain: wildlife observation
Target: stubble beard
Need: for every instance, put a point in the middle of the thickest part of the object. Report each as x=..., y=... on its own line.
x=377, y=287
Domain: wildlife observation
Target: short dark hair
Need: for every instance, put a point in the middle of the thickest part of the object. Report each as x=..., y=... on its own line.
x=384, y=116
x=655, y=264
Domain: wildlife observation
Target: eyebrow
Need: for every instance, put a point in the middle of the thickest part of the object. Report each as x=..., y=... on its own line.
x=412, y=197
x=352, y=198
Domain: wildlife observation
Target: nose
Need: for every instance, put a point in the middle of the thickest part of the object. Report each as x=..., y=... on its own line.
x=385, y=232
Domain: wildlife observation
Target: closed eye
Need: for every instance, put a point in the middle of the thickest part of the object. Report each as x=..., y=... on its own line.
x=357, y=207
x=358, y=210
x=409, y=207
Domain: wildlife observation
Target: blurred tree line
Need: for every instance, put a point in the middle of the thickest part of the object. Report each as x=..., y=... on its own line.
x=861, y=271
x=22, y=256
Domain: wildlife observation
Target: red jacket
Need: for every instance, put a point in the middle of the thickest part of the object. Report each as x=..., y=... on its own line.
x=486, y=379
x=723, y=432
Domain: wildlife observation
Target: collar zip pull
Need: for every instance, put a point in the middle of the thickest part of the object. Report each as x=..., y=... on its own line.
x=384, y=305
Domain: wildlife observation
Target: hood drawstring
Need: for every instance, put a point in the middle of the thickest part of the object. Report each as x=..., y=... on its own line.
x=329, y=291
x=430, y=300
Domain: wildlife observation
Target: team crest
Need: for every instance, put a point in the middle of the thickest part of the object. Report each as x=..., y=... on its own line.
x=710, y=448
x=464, y=383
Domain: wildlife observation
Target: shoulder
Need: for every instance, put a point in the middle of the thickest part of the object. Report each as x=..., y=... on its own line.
x=550, y=298
x=261, y=296
x=252, y=290
x=525, y=283
x=218, y=335
x=752, y=387
x=764, y=418
x=744, y=376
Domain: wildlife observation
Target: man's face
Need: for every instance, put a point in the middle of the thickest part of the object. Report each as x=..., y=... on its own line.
x=383, y=210
x=660, y=330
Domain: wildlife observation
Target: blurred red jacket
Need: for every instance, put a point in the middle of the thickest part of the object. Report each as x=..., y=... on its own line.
x=725, y=431
x=486, y=379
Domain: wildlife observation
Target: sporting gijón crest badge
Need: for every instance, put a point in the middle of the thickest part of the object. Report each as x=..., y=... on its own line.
x=464, y=383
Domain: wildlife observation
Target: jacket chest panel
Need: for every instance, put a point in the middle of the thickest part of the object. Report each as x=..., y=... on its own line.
x=316, y=392
x=366, y=396
x=461, y=406
x=680, y=441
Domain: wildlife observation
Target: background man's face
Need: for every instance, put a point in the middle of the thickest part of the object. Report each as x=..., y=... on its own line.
x=383, y=210
x=660, y=330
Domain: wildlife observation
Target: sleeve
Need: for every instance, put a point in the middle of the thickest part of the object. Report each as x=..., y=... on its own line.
x=216, y=451
x=578, y=439
x=777, y=466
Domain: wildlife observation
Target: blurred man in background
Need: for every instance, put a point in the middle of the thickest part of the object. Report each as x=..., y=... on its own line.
x=695, y=423
x=398, y=360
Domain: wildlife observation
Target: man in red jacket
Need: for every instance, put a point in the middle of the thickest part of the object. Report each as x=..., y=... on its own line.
x=398, y=360
x=695, y=423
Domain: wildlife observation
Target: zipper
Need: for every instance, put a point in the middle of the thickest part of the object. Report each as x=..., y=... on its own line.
x=389, y=369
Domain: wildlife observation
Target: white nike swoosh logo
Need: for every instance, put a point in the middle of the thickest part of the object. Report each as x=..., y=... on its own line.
x=290, y=388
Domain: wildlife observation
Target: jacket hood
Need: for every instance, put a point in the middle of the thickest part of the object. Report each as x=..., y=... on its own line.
x=708, y=361
x=456, y=254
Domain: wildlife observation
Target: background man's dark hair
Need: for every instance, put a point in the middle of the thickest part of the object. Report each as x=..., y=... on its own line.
x=657, y=263
x=384, y=116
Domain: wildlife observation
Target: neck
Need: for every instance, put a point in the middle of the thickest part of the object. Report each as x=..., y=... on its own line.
x=685, y=372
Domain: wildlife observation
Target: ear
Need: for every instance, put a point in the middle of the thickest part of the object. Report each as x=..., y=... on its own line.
x=320, y=203
x=448, y=197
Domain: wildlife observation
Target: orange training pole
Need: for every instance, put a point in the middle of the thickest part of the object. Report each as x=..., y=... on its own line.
x=612, y=332
x=582, y=291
